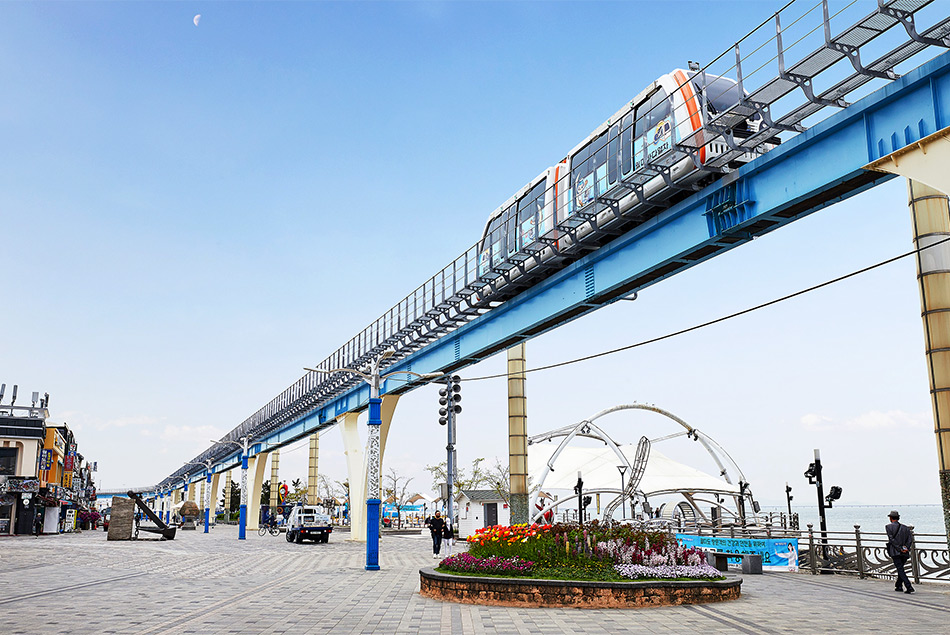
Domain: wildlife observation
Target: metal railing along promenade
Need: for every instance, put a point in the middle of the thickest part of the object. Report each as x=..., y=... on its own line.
x=799, y=65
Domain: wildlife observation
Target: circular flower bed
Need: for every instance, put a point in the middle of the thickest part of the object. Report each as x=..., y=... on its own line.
x=595, y=566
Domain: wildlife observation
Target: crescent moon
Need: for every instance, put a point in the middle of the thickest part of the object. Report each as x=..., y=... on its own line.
x=197, y=18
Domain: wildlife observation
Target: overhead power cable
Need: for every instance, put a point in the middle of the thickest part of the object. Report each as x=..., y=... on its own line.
x=696, y=327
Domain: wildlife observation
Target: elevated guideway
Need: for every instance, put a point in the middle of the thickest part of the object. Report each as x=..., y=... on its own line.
x=465, y=314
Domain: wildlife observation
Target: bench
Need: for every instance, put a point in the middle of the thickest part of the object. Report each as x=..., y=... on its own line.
x=751, y=562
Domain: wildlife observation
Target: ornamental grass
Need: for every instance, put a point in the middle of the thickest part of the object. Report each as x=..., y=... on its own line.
x=596, y=551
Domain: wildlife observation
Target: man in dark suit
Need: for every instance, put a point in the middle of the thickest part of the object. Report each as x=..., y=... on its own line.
x=898, y=548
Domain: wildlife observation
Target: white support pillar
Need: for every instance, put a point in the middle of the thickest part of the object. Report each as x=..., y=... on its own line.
x=926, y=166
x=254, y=498
x=386, y=410
x=356, y=474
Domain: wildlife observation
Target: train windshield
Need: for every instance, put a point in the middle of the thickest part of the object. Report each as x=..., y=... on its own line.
x=721, y=93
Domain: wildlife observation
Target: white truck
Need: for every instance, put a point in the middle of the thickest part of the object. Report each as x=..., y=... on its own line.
x=308, y=523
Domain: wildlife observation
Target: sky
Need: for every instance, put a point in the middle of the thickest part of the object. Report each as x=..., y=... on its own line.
x=192, y=214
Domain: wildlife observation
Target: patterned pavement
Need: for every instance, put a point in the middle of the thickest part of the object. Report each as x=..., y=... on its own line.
x=216, y=584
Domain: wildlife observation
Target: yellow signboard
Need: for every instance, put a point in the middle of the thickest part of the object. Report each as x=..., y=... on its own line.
x=68, y=479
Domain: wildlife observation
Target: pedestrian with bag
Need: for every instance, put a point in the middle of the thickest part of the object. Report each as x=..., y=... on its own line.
x=448, y=539
x=436, y=528
x=899, y=538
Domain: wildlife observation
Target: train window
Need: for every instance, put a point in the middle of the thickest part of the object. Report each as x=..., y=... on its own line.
x=721, y=93
x=626, y=143
x=613, y=154
x=586, y=167
x=652, y=111
x=530, y=208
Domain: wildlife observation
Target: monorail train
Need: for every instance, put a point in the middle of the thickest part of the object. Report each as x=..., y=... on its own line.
x=635, y=147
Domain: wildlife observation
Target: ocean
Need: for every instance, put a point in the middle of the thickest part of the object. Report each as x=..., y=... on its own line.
x=926, y=519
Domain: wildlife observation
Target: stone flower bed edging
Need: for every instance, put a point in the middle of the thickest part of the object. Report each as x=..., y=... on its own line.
x=574, y=593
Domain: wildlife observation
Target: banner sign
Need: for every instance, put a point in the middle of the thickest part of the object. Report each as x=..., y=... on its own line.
x=20, y=484
x=68, y=463
x=68, y=480
x=46, y=459
x=778, y=554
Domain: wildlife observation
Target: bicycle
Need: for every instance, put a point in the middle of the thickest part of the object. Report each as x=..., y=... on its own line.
x=272, y=528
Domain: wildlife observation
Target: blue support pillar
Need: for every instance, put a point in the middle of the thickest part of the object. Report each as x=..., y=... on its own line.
x=242, y=520
x=372, y=486
x=208, y=495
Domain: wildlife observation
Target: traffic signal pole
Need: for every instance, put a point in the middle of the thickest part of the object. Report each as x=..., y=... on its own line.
x=448, y=399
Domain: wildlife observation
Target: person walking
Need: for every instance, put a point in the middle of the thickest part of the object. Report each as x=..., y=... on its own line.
x=899, y=538
x=448, y=538
x=37, y=524
x=436, y=527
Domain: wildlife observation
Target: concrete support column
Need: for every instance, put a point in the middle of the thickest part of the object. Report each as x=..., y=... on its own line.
x=931, y=219
x=205, y=491
x=386, y=411
x=254, y=504
x=274, y=479
x=517, y=434
x=226, y=487
x=313, y=490
x=356, y=475
x=215, y=481
x=191, y=492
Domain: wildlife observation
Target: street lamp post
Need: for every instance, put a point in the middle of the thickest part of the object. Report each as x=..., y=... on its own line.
x=373, y=378
x=623, y=485
x=207, y=497
x=242, y=517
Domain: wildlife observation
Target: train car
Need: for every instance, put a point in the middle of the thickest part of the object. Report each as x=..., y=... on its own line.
x=628, y=159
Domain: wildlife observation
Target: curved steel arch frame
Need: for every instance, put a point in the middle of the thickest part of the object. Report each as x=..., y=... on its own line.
x=586, y=428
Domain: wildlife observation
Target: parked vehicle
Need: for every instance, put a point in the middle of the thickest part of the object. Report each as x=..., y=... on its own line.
x=308, y=523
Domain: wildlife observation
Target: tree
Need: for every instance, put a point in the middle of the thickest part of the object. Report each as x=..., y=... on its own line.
x=265, y=493
x=396, y=492
x=231, y=501
x=499, y=480
x=298, y=491
x=477, y=479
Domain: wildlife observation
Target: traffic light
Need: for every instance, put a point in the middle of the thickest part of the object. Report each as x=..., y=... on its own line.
x=449, y=399
x=833, y=495
x=586, y=501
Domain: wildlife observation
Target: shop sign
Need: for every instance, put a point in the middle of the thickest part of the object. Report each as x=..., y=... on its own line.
x=23, y=485
x=72, y=448
x=46, y=459
x=95, y=465
x=59, y=443
x=68, y=464
x=68, y=480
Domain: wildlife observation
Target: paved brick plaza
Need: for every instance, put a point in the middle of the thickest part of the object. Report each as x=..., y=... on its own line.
x=214, y=584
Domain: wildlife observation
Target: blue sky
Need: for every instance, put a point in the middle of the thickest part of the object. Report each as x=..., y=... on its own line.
x=190, y=215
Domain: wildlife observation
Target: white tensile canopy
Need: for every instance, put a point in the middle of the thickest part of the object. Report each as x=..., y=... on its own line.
x=598, y=467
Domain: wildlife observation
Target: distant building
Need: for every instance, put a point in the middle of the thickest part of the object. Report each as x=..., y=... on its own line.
x=22, y=430
x=42, y=475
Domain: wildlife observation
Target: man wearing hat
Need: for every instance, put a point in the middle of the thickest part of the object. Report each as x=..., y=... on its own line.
x=898, y=548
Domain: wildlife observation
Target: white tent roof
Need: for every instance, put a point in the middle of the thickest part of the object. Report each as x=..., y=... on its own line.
x=598, y=467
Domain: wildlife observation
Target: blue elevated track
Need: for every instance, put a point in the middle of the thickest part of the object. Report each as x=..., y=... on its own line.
x=813, y=169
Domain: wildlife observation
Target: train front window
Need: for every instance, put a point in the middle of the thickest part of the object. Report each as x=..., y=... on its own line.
x=721, y=93
x=651, y=112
